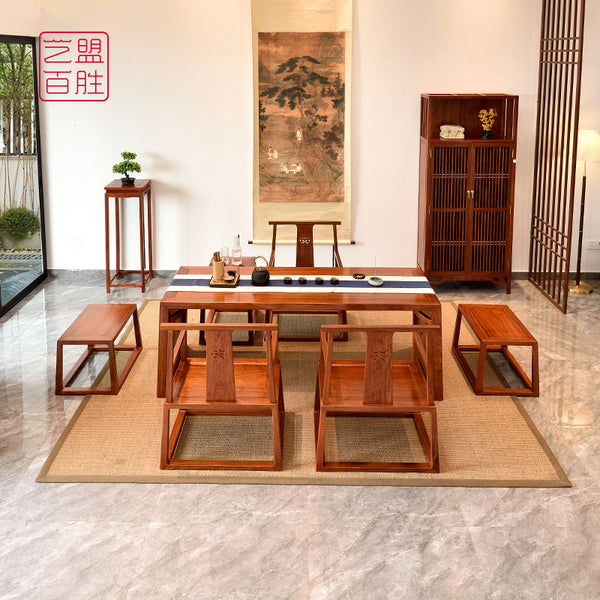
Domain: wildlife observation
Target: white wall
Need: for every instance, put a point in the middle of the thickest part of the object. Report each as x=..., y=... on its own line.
x=20, y=18
x=181, y=97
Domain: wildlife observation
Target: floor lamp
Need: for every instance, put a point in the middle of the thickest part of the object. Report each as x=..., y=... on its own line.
x=588, y=150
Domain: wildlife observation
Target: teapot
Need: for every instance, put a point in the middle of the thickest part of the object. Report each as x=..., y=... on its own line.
x=260, y=275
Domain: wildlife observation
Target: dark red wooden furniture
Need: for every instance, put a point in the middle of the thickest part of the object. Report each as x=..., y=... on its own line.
x=378, y=386
x=305, y=258
x=140, y=189
x=425, y=307
x=466, y=189
x=219, y=384
x=495, y=327
x=305, y=241
x=97, y=327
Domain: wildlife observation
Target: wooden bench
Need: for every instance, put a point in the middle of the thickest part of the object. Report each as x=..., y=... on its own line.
x=97, y=327
x=496, y=328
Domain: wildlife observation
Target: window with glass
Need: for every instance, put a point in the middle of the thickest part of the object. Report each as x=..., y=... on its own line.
x=22, y=241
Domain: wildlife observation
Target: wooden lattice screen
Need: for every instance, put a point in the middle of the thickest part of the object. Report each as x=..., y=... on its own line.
x=561, y=49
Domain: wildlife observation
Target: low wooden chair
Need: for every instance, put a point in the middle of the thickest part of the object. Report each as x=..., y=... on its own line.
x=378, y=386
x=305, y=242
x=305, y=258
x=220, y=384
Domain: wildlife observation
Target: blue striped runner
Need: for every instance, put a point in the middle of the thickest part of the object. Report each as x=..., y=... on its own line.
x=392, y=284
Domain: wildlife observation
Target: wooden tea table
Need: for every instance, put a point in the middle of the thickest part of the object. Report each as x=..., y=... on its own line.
x=403, y=290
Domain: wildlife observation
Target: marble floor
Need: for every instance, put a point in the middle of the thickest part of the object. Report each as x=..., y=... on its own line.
x=140, y=541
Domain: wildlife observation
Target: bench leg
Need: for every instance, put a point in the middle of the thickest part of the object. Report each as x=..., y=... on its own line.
x=63, y=384
x=112, y=366
x=480, y=369
x=58, y=385
x=535, y=371
x=456, y=335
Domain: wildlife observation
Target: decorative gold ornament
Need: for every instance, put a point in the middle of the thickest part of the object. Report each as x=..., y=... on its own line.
x=488, y=118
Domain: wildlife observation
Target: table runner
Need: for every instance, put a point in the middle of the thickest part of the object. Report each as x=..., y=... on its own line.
x=392, y=284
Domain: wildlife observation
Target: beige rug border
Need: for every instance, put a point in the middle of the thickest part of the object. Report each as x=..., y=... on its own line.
x=366, y=479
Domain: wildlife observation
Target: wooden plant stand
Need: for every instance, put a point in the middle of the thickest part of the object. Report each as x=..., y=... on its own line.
x=140, y=189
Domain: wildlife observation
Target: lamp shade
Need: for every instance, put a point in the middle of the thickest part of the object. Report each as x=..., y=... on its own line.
x=588, y=145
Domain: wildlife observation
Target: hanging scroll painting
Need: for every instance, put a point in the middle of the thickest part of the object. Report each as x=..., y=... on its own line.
x=301, y=117
x=302, y=113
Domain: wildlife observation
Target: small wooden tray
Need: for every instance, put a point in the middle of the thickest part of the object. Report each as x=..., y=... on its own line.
x=225, y=284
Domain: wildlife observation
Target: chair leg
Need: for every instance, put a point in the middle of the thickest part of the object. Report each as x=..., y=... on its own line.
x=320, y=440
x=277, y=438
x=164, y=447
x=278, y=417
x=435, y=458
x=317, y=408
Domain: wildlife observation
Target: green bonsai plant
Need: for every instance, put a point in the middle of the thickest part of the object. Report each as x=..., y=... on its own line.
x=126, y=166
x=19, y=223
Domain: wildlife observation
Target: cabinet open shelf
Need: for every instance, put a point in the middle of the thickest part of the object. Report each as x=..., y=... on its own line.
x=463, y=110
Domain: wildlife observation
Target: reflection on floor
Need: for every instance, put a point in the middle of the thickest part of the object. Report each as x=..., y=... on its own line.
x=115, y=541
x=17, y=270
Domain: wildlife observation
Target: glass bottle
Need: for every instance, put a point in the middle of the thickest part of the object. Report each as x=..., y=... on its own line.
x=236, y=251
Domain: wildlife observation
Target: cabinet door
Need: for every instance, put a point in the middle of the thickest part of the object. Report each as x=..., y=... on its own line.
x=448, y=202
x=492, y=199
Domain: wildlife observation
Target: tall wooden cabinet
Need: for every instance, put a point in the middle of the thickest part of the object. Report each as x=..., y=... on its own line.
x=466, y=189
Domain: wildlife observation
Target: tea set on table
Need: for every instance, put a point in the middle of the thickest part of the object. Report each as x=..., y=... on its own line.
x=231, y=277
x=260, y=274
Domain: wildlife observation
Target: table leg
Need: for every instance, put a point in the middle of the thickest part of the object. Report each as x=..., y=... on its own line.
x=434, y=318
x=118, y=238
x=149, y=206
x=142, y=243
x=107, y=241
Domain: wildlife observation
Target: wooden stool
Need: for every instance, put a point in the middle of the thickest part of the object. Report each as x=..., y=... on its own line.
x=496, y=327
x=97, y=327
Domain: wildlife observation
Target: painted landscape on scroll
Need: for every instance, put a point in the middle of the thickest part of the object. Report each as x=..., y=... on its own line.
x=301, y=104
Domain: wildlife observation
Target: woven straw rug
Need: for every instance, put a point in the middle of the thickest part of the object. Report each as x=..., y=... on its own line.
x=484, y=441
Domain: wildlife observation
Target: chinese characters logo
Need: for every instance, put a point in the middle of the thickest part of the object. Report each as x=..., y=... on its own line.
x=73, y=66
